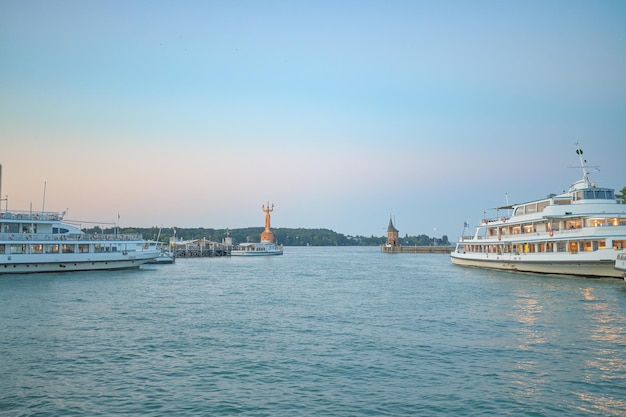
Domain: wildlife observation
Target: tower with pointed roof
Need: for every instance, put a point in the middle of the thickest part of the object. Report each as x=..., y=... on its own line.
x=392, y=234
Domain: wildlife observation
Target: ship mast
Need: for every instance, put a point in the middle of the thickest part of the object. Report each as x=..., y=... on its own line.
x=579, y=152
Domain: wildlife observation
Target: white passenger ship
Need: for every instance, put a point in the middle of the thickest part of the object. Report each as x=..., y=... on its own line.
x=257, y=249
x=267, y=246
x=41, y=242
x=580, y=232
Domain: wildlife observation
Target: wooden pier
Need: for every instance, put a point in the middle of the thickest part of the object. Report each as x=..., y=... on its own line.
x=416, y=249
x=199, y=248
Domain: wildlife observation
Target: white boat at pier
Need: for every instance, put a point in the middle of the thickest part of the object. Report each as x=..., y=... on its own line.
x=266, y=247
x=580, y=232
x=257, y=249
x=32, y=241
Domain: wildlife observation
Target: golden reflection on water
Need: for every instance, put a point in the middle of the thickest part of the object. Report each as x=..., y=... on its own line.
x=607, y=406
x=527, y=311
x=606, y=328
x=529, y=377
x=602, y=330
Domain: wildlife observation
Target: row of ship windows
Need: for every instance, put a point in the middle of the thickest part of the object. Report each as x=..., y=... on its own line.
x=54, y=248
x=556, y=226
x=595, y=194
x=564, y=246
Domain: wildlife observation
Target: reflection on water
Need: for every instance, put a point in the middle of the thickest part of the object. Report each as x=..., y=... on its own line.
x=320, y=331
x=527, y=311
x=528, y=375
x=606, y=330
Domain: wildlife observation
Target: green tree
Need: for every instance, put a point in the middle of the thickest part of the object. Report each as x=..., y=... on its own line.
x=622, y=195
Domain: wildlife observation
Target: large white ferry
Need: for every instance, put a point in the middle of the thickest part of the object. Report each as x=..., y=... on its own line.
x=580, y=232
x=42, y=242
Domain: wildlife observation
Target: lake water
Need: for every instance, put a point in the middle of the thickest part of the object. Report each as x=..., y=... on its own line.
x=318, y=331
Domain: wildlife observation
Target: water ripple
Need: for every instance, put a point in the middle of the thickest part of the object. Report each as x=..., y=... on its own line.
x=319, y=331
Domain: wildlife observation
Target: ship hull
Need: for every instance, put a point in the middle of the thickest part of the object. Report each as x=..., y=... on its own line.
x=23, y=264
x=579, y=267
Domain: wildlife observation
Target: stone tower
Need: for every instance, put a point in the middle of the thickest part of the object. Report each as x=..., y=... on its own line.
x=392, y=234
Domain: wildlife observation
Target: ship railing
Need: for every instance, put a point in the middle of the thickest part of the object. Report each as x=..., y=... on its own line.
x=31, y=216
x=73, y=237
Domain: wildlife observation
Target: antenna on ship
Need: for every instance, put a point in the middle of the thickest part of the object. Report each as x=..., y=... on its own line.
x=1, y=186
x=508, y=207
x=43, y=205
x=579, y=152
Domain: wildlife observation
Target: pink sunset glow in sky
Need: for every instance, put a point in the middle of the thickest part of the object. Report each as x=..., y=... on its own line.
x=342, y=114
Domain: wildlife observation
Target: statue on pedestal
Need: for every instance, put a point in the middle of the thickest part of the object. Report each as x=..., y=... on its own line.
x=267, y=235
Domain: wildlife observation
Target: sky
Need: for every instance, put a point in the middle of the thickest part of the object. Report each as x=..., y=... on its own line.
x=343, y=114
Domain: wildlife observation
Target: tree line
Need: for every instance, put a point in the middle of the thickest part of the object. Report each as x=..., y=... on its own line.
x=284, y=236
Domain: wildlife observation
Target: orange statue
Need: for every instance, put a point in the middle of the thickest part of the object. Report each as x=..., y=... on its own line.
x=267, y=235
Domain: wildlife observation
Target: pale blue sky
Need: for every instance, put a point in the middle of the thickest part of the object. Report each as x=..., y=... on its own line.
x=194, y=113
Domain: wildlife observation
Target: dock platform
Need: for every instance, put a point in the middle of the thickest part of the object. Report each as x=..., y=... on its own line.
x=416, y=249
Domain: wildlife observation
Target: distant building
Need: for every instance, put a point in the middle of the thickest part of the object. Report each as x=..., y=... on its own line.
x=392, y=234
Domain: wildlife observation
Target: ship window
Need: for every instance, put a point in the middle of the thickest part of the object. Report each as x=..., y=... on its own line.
x=619, y=244
x=596, y=222
x=616, y=221
x=68, y=249
x=599, y=194
x=52, y=248
x=11, y=228
x=15, y=249
x=36, y=248
x=2, y=248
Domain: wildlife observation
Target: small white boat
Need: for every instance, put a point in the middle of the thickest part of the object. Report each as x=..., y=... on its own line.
x=165, y=257
x=579, y=232
x=257, y=249
x=264, y=248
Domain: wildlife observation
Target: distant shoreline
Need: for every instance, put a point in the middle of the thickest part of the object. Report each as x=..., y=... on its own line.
x=284, y=236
